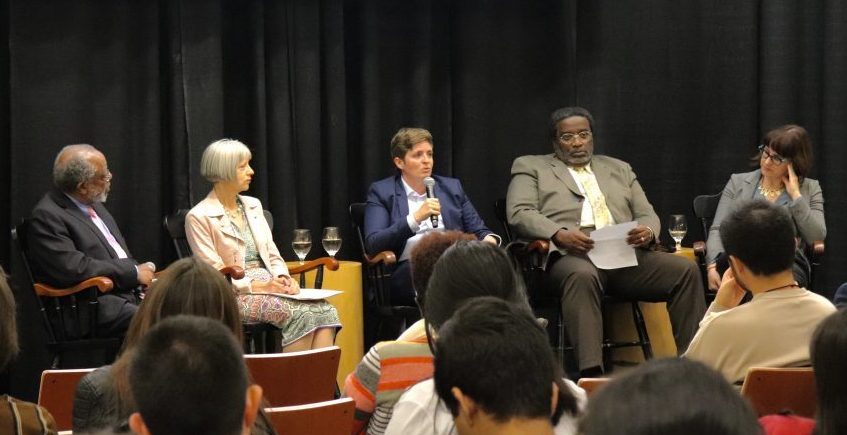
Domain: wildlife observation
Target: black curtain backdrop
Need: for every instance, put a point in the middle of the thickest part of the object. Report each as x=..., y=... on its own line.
x=682, y=90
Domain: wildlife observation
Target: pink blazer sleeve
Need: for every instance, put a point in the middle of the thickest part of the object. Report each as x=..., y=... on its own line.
x=210, y=245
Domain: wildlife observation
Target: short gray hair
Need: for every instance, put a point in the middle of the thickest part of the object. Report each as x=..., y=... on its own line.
x=221, y=159
x=68, y=173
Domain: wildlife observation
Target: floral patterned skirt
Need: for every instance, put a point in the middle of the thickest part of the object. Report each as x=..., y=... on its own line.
x=295, y=318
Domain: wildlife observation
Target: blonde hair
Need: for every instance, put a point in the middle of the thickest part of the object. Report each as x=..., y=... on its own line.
x=221, y=158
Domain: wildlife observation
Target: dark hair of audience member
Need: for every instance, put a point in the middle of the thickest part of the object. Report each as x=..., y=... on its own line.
x=671, y=396
x=188, y=286
x=188, y=377
x=829, y=359
x=8, y=327
x=470, y=269
x=427, y=252
x=761, y=235
x=496, y=353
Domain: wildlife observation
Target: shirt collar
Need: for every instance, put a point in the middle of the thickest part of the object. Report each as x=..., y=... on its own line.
x=81, y=206
x=587, y=168
x=409, y=191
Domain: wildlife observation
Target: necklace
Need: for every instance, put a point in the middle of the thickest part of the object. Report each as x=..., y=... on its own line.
x=235, y=214
x=792, y=285
x=770, y=193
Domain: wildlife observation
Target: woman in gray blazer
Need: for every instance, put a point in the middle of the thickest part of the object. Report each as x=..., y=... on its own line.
x=784, y=159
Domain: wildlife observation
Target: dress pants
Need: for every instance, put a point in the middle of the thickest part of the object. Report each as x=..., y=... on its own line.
x=659, y=277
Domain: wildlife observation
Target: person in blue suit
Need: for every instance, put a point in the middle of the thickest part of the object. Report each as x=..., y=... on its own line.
x=398, y=212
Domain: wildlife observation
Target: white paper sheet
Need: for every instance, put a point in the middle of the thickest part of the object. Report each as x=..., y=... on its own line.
x=306, y=294
x=610, y=248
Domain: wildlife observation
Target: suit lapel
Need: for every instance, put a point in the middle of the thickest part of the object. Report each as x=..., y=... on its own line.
x=401, y=203
x=215, y=210
x=560, y=170
x=107, y=219
x=71, y=208
x=751, y=181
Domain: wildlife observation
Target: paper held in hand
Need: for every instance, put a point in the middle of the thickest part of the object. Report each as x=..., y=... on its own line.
x=306, y=294
x=610, y=248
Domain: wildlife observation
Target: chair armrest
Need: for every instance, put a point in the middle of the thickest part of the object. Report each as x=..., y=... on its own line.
x=327, y=262
x=539, y=246
x=234, y=272
x=700, y=249
x=384, y=257
x=817, y=249
x=103, y=284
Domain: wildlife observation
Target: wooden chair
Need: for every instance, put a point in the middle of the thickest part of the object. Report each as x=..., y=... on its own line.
x=56, y=394
x=69, y=314
x=705, y=207
x=296, y=378
x=591, y=385
x=378, y=269
x=529, y=258
x=773, y=390
x=333, y=417
x=258, y=337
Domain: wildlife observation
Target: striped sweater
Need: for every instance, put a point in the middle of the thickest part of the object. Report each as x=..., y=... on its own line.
x=385, y=372
x=24, y=418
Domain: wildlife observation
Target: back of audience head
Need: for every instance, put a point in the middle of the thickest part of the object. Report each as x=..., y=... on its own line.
x=468, y=269
x=188, y=286
x=762, y=236
x=669, y=396
x=829, y=359
x=427, y=252
x=8, y=327
x=188, y=377
x=492, y=356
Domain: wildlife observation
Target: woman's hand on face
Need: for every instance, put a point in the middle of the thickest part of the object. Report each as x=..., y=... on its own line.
x=791, y=182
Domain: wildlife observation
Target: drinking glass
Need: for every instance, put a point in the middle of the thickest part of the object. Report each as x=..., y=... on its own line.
x=302, y=243
x=677, y=227
x=331, y=241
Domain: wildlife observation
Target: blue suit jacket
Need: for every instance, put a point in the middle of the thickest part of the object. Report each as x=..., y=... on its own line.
x=386, y=228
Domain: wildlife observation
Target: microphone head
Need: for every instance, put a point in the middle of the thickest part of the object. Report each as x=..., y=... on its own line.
x=429, y=182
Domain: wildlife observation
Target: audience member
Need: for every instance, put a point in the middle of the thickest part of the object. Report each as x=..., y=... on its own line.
x=228, y=228
x=784, y=160
x=840, y=298
x=16, y=416
x=670, y=397
x=399, y=211
x=73, y=237
x=390, y=367
x=494, y=370
x=464, y=272
x=188, y=377
x=563, y=197
x=103, y=401
x=829, y=358
x=775, y=328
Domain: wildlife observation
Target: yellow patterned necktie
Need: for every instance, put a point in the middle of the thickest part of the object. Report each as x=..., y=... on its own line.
x=595, y=197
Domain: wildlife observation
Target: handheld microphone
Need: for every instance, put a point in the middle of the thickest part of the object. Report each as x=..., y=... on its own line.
x=429, y=182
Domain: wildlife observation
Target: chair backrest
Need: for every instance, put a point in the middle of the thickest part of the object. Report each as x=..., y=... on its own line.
x=705, y=207
x=56, y=394
x=591, y=385
x=500, y=213
x=175, y=226
x=773, y=390
x=333, y=417
x=357, y=218
x=72, y=316
x=296, y=378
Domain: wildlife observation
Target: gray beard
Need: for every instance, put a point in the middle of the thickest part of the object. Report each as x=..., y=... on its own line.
x=102, y=197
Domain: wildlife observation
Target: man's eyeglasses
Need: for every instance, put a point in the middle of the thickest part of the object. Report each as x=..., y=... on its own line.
x=775, y=158
x=571, y=137
x=107, y=177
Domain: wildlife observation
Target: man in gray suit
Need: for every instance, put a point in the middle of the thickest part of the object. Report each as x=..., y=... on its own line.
x=564, y=196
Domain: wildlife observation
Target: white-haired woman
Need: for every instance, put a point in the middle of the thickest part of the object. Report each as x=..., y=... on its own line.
x=227, y=228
